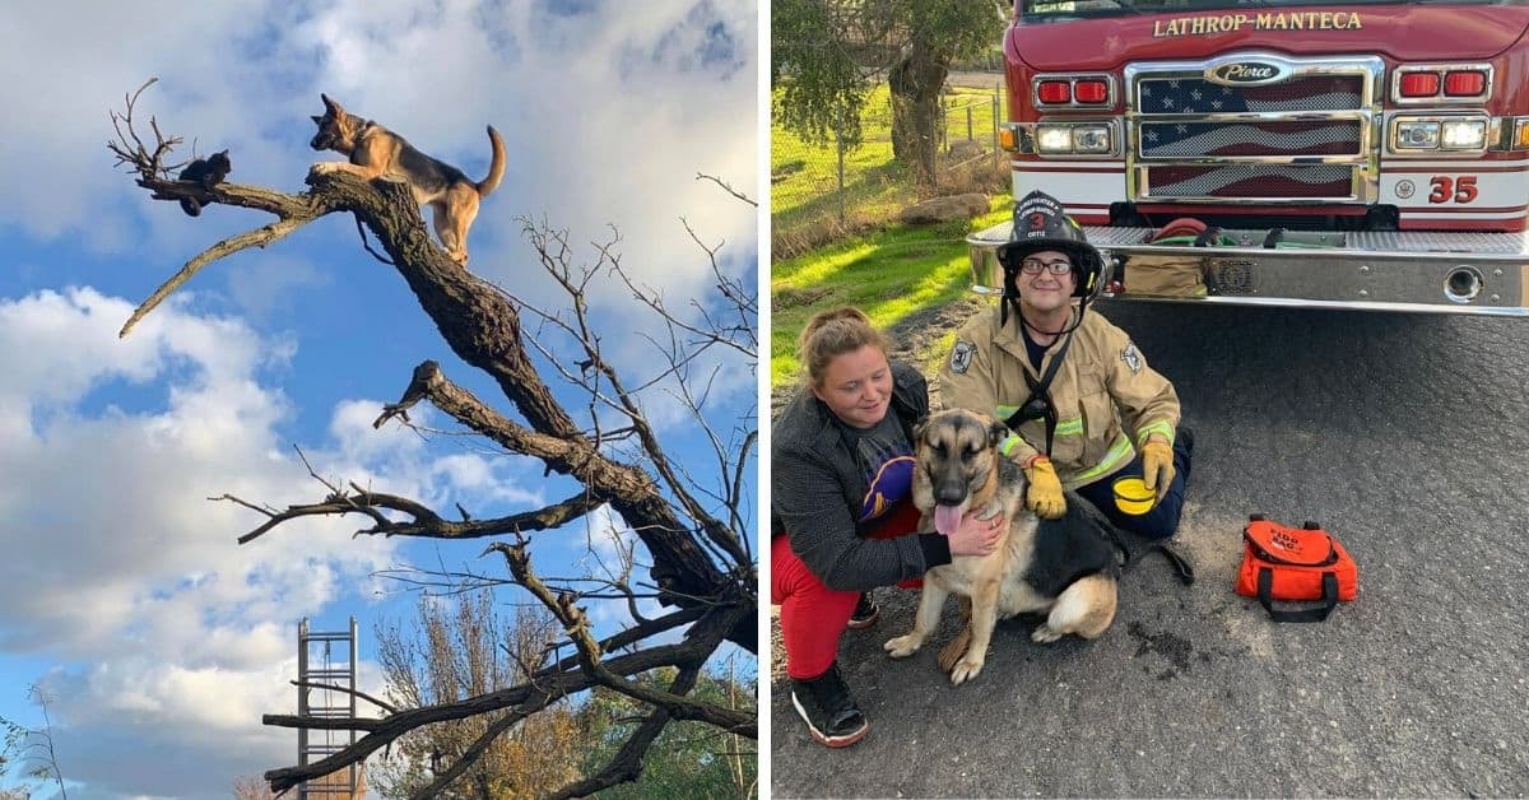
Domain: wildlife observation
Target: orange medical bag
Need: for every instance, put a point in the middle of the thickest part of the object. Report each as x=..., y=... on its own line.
x=1281, y=563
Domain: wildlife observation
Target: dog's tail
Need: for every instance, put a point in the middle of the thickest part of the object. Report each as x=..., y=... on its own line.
x=495, y=167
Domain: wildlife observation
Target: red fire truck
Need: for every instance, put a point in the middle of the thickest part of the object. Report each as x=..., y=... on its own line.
x=1369, y=155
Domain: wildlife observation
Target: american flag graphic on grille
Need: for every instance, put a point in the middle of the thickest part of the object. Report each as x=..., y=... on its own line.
x=1251, y=181
x=1200, y=96
x=1165, y=133
x=1190, y=140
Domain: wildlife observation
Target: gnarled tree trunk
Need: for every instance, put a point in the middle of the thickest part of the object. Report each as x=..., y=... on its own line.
x=915, y=80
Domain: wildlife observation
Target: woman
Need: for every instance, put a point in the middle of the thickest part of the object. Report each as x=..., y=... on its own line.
x=840, y=507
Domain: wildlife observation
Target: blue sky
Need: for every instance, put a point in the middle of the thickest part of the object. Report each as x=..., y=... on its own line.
x=122, y=590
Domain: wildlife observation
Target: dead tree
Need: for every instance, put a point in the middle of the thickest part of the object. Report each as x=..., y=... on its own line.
x=692, y=522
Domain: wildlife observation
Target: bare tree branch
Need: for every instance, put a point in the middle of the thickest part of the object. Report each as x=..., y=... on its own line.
x=129, y=147
x=424, y=523
x=469, y=757
x=627, y=764
x=701, y=176
x=385, y=706
x=260, y=237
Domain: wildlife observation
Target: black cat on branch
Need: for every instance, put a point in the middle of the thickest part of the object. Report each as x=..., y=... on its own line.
x=206, y=173
x=692, y=519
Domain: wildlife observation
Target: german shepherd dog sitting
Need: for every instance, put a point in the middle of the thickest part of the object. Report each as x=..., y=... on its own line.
x=377, y=152
x=1065, y=568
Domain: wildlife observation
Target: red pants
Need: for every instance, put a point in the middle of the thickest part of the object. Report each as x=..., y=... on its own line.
x=813, y=616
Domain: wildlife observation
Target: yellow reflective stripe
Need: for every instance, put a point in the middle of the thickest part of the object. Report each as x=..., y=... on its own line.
x=1006, y=447
x=1161, y=427
x=1119, y=454
x=1066, y=427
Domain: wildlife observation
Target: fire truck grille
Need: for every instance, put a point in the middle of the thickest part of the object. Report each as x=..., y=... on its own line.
x=1187, y=95
x=1223, y=139
x=1250, y=181
x=1306, y=137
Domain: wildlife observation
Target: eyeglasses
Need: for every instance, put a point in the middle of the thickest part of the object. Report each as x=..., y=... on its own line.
x=1031, y=266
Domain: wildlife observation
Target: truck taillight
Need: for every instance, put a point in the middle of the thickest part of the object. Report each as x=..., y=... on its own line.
x=1428, y=84
x=1091, y=91
x=1074, y=91
x=1466, y=83
x=1054, y=92
x=1419, y=84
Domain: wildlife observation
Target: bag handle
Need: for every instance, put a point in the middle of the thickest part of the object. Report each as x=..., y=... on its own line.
x=1318, y=614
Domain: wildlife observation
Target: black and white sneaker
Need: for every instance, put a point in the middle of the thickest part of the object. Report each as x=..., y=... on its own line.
x=866, y=613
x=830, y=713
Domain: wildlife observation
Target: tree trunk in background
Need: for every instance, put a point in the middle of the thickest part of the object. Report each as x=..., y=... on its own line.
x=916, y=79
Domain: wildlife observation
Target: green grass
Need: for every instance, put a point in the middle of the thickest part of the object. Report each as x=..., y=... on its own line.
x=804, y=187
x=888, y=274
x=804, y=178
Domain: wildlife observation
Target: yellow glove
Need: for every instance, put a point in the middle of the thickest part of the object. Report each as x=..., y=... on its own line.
x=1044, y=495
x=1157, y=465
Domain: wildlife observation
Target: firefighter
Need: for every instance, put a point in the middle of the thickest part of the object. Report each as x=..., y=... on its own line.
x=1072, y=387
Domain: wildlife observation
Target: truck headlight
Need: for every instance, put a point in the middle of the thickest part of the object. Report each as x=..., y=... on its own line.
x=1053, y=139
x=1417, y=135
x=1091, y=139
x=1464, y=134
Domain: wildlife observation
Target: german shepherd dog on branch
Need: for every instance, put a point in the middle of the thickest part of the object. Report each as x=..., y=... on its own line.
x=377, y=152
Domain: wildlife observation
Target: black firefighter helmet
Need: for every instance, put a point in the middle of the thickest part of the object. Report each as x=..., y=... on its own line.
x=1040, y=224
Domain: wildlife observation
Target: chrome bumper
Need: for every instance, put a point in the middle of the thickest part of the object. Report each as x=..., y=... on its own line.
x=1448, y=273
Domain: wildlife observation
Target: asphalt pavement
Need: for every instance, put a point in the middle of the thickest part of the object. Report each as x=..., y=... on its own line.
x=1406, y=436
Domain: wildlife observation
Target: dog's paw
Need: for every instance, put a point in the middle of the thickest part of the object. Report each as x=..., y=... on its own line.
x=903, y=646
x=966, y=669
x=326, y=167
x=1045, y=634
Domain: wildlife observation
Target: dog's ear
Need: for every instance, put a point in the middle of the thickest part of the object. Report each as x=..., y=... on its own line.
x=997, y=432
x=334, y=108
x=319, y=121
x=919, y=425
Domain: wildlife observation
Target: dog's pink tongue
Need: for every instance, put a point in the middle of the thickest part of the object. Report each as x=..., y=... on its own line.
x=947, y=519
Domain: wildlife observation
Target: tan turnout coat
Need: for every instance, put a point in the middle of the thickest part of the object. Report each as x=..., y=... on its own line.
x=1102, y=391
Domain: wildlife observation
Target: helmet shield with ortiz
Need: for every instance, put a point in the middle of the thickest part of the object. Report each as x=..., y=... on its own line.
x=1040, y=224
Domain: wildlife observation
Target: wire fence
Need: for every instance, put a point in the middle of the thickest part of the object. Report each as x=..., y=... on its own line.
x=821, y=192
